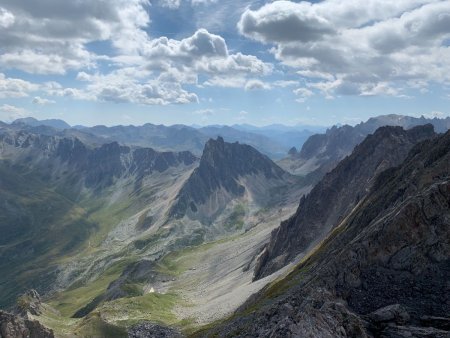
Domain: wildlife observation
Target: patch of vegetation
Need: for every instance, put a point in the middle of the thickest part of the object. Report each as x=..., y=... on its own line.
x=94, y=326
x=132, y=289
x=152, y=307
x=77, y=297
x=23, y=303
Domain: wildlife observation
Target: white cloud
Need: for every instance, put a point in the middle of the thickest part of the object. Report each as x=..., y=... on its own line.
x=355, y=47
x=226, y=82
x=302, y=94
x=242, y=116
x=42, y=101
x=50, y=37
x=6, y=18
x=164, y=67
x=256, y=84
x=167, y=65
x=172, y=4
x=285, y=83
x=13, y=88
x=56, y=36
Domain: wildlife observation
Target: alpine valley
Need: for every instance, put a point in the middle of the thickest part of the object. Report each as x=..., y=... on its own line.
x=225, y=231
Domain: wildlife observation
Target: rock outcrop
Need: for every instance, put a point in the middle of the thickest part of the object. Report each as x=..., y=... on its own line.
x=151, y=330
x=334, y=197
x=12, y=326
x=29, y=303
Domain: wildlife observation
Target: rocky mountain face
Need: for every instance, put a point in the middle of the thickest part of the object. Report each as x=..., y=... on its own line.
x=334, y=197
x=226, y=171
x=322, y=152
x=383, y=272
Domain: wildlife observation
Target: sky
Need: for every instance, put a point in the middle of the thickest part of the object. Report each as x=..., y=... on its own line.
x=223, y=61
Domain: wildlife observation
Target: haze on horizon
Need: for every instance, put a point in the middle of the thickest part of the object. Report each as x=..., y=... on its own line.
x=223, y=62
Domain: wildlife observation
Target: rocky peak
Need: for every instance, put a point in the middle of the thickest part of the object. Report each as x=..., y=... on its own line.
x=221, y=167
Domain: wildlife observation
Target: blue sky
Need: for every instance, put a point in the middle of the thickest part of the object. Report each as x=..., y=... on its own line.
x=223, y=62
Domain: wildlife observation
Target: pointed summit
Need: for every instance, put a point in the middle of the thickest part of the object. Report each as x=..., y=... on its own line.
x=222, y=176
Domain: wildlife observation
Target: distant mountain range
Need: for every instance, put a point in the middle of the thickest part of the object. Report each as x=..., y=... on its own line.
x=274, y=141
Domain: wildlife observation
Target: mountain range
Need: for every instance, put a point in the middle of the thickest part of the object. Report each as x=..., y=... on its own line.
x=273, y=141
x=173, y=231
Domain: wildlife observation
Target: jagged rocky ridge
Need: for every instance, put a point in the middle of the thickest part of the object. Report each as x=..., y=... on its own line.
x=220, y=177
x=97, y=167
x=337, y=194
x=322, y=152
x=383, y=272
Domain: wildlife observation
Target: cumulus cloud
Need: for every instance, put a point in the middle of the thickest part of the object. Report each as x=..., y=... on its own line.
x=371, y=47
x=55, y=37
x=50, y=37
x=14, y=88
x=6, y=18
x=168, y=64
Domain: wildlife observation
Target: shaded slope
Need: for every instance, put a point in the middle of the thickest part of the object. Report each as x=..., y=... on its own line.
x=337, y=194
x=383, y=272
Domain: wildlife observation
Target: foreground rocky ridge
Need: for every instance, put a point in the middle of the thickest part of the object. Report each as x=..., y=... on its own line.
x=383, y=272
x=19, y=324
x=334, y=197
x=12, y=326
